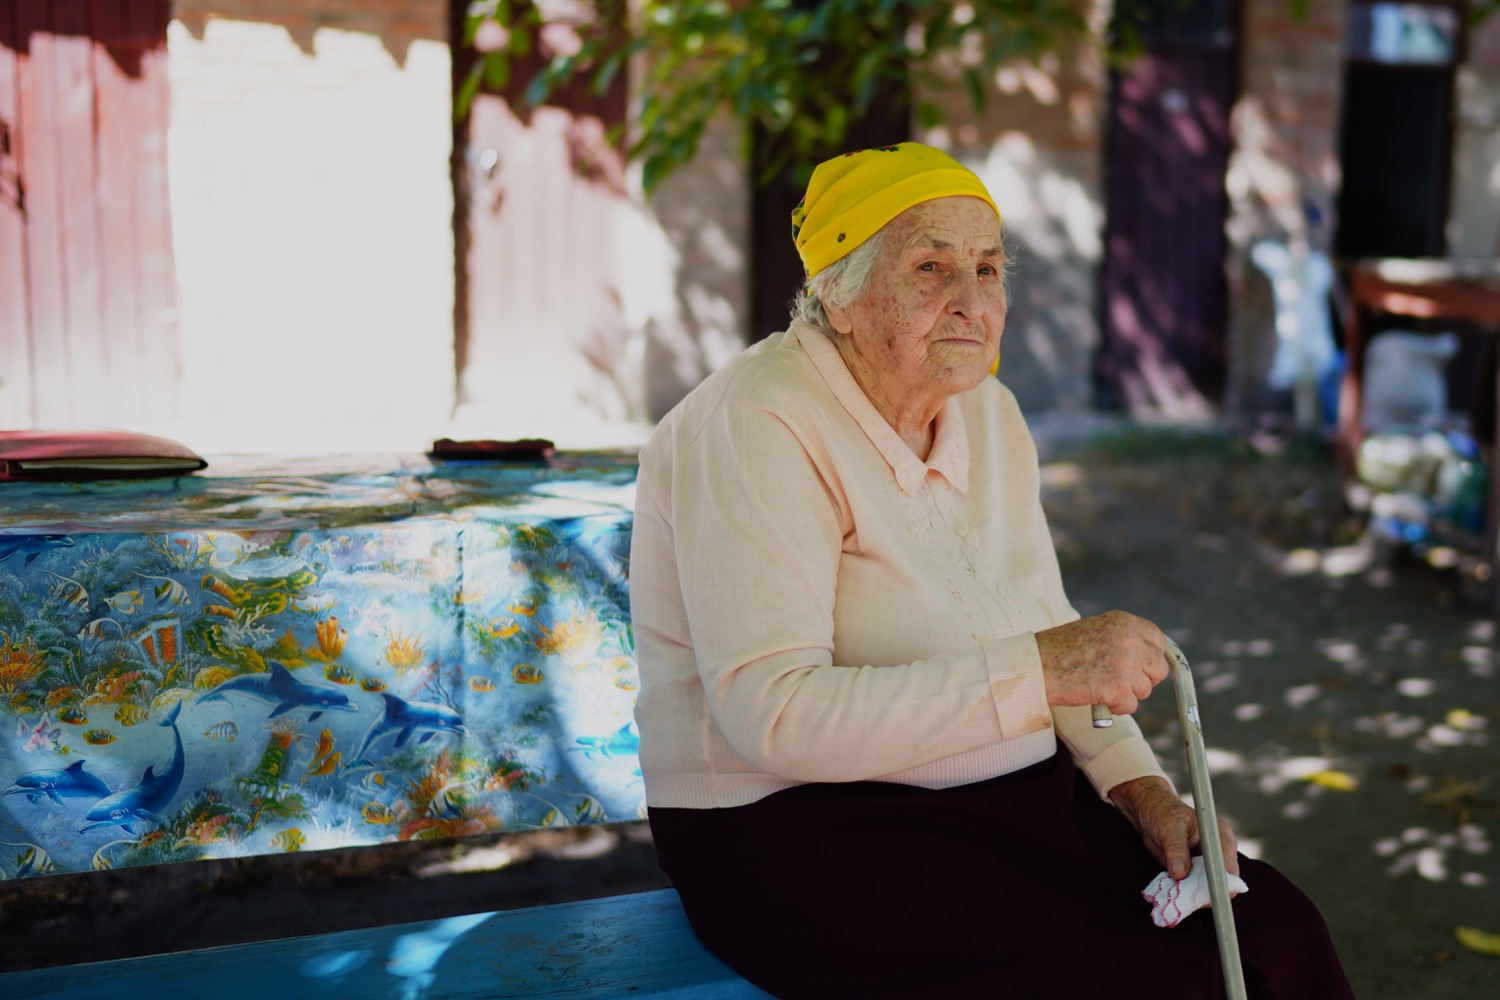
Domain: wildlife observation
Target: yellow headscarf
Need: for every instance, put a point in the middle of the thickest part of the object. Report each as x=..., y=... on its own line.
x=850, y=197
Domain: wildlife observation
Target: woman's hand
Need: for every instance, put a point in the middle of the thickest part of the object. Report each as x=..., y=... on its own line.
x=1112, y=659
x=1168, y=825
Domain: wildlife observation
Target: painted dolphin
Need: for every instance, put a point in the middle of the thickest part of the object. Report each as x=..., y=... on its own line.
x=146, y=800
x=405, y=718
x=283, y=691
x=32, y=545
x=622, y=741
x=71, y=782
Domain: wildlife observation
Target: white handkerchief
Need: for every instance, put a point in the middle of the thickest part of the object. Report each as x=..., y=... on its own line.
x=1172, y=901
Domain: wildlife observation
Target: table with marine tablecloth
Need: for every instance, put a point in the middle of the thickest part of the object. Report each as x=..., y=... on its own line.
x=274, y=656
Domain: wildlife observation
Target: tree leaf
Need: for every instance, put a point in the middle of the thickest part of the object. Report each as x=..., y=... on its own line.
x=496, y=70
x=781, y=64
x=607, y=71
x=976, y=89
x=466, y=91
x=929, y=115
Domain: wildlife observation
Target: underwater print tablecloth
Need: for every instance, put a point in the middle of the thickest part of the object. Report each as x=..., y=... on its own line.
x=292, y=659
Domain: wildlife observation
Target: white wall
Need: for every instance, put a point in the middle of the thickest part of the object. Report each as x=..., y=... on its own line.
x=312, y=222
x=1474, y=204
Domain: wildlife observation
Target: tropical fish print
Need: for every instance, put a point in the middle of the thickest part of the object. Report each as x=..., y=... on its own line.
x=99, y=628
x=228, y=731
x=168, y=590
x=377, y=813
x=363, y=659
x=129, y=714
x=29, y=860
x=72, y=593
x=127, y=602
x=526, y=673
x=289, y=840
x=326, y=743
x=319, y=768
x=339, y=674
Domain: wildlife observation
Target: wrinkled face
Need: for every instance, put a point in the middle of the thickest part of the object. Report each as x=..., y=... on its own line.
x=929, y=324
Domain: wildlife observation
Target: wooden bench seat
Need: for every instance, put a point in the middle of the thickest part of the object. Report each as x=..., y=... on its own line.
x=635, y=945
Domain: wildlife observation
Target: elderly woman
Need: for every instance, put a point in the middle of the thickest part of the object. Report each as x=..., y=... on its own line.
x=865, y=733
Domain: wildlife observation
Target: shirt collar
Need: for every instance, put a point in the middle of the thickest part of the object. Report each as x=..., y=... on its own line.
x=949, y=456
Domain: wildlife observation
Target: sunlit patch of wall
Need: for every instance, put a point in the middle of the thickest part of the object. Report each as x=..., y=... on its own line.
x=687, y=297
x=1038, y=145
x=1285, y=134
x=312, y=220
x=1474, y=208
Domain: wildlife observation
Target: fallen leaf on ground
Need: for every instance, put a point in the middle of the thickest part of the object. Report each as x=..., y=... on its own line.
x=1336, y=780
x=1477, y=940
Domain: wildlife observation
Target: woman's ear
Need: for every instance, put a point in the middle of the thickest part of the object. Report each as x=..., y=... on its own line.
x=838, y=318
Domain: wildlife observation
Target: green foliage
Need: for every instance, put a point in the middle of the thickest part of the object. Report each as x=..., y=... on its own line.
x=799, y=70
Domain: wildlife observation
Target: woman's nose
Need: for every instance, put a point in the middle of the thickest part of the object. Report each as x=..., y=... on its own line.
x=966, y=299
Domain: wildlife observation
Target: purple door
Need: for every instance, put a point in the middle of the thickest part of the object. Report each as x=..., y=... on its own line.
x=1163, y=293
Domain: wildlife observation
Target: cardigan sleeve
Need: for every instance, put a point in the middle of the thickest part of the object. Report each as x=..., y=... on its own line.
x=758, y=538
x=1106, y=757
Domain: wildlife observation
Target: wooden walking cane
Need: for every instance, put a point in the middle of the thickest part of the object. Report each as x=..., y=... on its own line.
x=1208, y=817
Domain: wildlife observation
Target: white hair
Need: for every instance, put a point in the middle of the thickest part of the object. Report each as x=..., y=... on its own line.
x=838, y=284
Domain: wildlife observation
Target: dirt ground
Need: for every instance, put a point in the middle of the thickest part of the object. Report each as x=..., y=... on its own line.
x=1349, y=698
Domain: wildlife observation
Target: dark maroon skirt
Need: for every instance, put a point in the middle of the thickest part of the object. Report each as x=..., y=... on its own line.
x=1026, y=885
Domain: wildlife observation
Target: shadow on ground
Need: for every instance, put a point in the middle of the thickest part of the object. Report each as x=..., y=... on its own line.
x=1348, y=690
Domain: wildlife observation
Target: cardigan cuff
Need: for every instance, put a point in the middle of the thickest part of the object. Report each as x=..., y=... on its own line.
x=1123, y=761
x=1016, y=684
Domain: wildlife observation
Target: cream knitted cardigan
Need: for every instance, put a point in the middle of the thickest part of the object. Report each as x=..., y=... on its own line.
x=813, y=603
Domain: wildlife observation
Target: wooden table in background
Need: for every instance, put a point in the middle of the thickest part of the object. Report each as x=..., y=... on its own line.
x=1460, y=290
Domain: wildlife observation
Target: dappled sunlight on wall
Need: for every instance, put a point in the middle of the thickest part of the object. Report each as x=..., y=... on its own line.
x=1285, y=157
x=1054, y=221
x=617, y=305
x=1038, y=147
x=1473, y=228
x=688, y=294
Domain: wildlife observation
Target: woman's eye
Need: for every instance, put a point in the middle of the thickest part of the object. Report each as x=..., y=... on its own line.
x=986, y=269
x=927, y=266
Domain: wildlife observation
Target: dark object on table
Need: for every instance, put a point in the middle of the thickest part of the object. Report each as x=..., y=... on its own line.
x=519, y=450
x=55, y=456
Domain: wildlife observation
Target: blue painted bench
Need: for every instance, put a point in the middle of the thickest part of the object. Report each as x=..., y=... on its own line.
x=623, y=946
